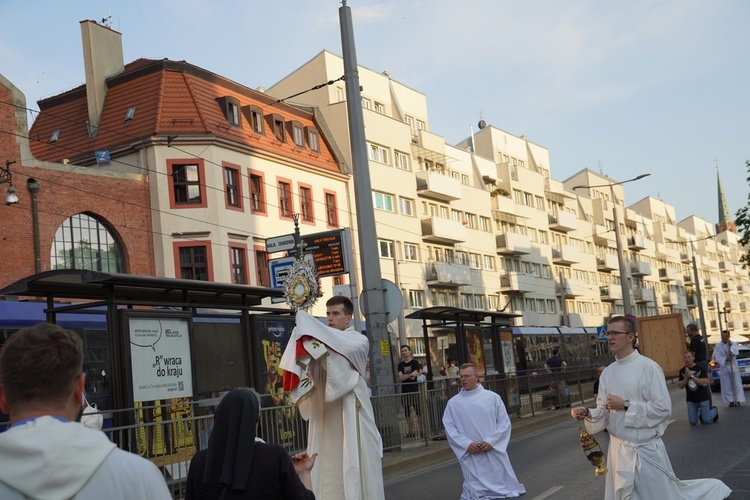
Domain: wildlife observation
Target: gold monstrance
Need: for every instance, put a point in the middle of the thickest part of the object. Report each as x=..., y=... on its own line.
x=593, y=451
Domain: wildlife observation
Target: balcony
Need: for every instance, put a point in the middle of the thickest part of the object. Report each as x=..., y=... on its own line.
x=566, y=255
x=687, y=279
x=608, y=263
x=711, y=283
x=638, y=268
x=669, y=274
x=447, y=275
x=691, y=301
x=669, y=299
x=729, y=286
x=514, y=282
x=610, y=293
x=513, y=244
x=573, y=288
x=637, y=242
x=731, y=305
x=563, y=221
x=438, y=186
x=442, y=230
x=725, y=266
x=502, y=206
x=685, y=258
x=644, y=295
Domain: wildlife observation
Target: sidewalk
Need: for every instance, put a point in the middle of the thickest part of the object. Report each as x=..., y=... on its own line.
x=414, y=457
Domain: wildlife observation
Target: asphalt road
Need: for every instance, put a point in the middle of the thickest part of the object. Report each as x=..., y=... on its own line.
x=551, y=465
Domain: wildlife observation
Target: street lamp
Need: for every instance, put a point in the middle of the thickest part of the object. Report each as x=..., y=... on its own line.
x=618, y=242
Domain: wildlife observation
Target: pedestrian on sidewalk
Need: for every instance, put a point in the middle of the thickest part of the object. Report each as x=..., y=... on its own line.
x=408, y=372
x=634, y=406
x=725, y=354
x=478, y=430
x=694, y=379
x=555, y=363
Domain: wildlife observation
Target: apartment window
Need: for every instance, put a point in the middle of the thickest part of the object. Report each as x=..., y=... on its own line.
x=518, y=196
x=485, y=224
x=278, y=128
x=539, y=202
x=231, y=108
x=298, y=135
x=421, y=125
x=543, y=237
x=193, y=263
x=492, y=302
x=378, y=153
x=416, y=298
x=529, y=199
x=261, y=267
x=410, y=252
x=340, y=95
x=313, y=141
x=257, y=194
x=401, y=160
x=332, y=218
x=306, y=204
x=187, y=188
x=471, y=221
x=379, y=108
x=382, y=201
x=551, y=306
x=286, y=207
x=407, y=206
x=232, y=187
x=546, y=271
x=366, y=104
x=386, y=249
x=456, y=215
x=479, y=302
x=465, y=180
x=489, y=262
x=466, y=301
x=462, y=258
x=255, y=116
x=239, y=265
x=474, y=261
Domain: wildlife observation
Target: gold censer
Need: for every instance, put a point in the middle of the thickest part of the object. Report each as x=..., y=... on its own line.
x=593, y=451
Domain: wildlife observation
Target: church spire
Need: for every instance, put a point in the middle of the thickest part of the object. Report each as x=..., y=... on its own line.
x=725, y=223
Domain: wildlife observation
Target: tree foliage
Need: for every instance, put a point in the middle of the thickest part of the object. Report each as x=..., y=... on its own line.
x=743, y=226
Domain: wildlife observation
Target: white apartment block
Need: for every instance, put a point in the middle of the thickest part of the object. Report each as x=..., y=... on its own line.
x=483, y=225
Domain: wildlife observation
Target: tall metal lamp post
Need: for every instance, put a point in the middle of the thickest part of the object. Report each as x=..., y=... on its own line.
x=618, y=240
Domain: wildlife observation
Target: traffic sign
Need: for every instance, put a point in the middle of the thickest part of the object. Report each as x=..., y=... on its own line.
x=280, y=243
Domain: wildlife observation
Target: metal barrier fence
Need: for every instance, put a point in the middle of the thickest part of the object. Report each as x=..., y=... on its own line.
x=170, y=434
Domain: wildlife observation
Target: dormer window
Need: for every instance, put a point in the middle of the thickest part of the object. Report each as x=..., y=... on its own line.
x=55, y=135
x=231, y=109
x=254, y=116
x=313, y=140
x=278, y=127
x=298, y=135
x=129, y=114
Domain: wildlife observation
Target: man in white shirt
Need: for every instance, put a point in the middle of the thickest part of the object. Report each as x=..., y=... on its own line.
x=633, y=404
x=478, y=429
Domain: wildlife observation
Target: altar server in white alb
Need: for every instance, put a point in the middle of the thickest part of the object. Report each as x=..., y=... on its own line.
x=478, y=430
x=725, y=354
x=324, y=370
x=633, y=404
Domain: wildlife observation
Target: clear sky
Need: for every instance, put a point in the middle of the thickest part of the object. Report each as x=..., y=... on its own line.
x=625, y=88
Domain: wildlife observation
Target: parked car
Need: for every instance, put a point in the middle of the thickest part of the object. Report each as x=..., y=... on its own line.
x=743, y=360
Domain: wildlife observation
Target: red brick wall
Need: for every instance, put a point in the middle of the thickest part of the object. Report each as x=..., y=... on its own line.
x=122, y=204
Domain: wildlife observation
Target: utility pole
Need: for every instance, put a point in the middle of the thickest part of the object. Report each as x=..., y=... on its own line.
x=698, y=299
x=372, y=287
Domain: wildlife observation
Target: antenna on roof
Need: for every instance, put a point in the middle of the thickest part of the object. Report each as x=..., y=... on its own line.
x=107, y=21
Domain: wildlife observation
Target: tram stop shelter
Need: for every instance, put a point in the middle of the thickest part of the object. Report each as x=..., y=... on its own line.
x=164, y=338
x=481, y=337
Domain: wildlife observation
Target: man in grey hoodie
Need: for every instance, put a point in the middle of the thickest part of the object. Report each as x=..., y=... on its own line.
x=46, y=454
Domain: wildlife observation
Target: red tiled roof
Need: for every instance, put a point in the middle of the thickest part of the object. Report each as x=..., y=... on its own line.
x=171, y=98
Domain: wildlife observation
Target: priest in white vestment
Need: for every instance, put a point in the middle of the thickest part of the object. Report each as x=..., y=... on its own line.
x=325, y=372
x=478, y=430
x=633, y=404
x=725, y=354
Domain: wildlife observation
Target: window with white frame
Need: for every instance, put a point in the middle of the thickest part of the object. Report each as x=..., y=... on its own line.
x=366, y=103
x=386, y=249
x=479, y=302
x=410, y=252
x=466, y=301
x=489, y=262
x=456, y=215
x=379, y=108
x=485, y=224
x=474, y=261
x=406, y=206
x=462, y=258
x=416, y=298
x=471, y=221
x=492, y=302
x=340, y=95
x=465, y=180
x=401, y=160
x=379, y=154
x=382, y=201
x=551, y=306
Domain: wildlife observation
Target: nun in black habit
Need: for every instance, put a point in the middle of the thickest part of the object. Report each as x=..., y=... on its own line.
x=237, y=465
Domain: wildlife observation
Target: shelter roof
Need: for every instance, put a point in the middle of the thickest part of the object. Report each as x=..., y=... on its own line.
x=445, y=313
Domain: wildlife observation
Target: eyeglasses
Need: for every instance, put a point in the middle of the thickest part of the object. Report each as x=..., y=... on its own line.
x=612, y=332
